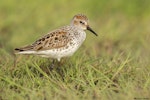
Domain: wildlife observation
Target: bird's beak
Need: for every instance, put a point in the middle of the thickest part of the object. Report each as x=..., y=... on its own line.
x=90, y=29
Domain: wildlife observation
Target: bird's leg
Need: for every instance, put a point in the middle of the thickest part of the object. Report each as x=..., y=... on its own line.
x=59, y=66
x=52, y=65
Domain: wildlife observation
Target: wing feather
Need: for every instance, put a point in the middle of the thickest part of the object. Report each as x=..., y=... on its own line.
x=52, y=40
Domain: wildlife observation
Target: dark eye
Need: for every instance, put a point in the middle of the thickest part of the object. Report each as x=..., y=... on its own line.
x=81, y=22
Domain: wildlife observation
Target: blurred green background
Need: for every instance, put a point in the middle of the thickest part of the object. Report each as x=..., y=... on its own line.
x=23, y=21
x=123, y=27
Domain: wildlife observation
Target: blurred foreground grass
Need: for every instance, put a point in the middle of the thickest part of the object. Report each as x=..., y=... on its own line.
x=114, y=65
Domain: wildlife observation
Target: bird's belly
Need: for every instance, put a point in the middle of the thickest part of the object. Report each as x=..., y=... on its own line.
x=59, y=52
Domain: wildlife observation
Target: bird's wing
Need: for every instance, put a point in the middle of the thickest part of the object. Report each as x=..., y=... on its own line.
x=52, y=40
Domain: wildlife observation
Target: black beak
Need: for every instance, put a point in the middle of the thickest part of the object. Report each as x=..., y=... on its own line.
x=90, y=29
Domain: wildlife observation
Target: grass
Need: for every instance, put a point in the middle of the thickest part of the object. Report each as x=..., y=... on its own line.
x=115, y=65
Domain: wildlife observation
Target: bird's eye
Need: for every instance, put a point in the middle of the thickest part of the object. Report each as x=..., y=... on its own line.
x=81, y=22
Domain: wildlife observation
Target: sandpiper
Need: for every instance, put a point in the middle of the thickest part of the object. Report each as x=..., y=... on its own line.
x=62, y=42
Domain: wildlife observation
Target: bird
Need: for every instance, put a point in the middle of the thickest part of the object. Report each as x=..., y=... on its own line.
x=61, y=42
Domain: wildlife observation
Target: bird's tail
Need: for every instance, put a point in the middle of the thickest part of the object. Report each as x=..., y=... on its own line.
x=25, y=50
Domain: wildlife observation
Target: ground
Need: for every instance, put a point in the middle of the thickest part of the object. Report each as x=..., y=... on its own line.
x=113, y=66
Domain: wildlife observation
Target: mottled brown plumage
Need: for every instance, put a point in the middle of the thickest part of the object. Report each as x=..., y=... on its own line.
x=52, y=40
